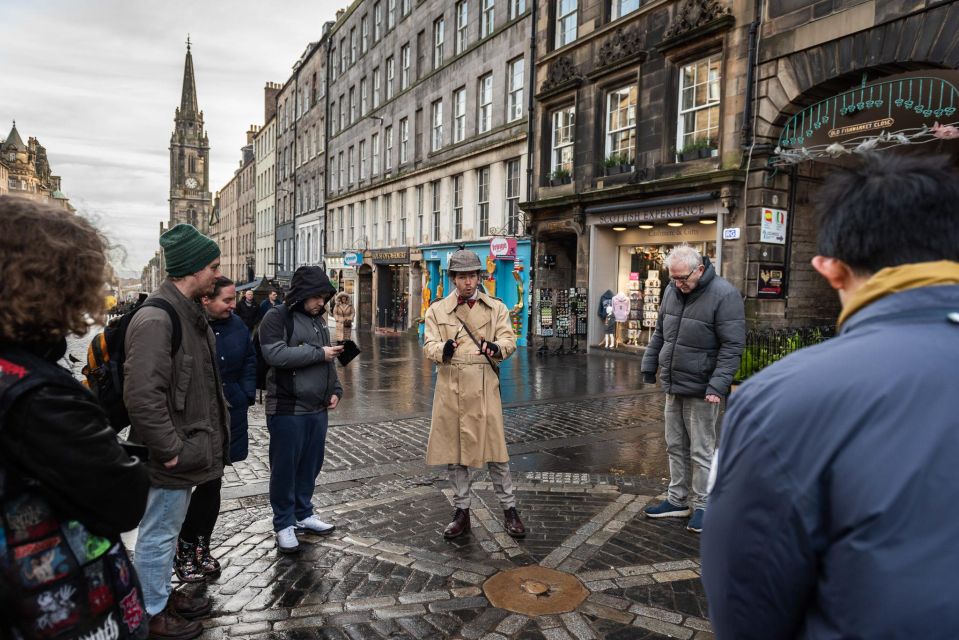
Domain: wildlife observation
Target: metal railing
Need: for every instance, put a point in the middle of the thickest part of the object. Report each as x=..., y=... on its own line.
x=766, y=346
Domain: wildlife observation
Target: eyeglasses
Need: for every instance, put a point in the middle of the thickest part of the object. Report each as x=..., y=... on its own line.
x=685, y=277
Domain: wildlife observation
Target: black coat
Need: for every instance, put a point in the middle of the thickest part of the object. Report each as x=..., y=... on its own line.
x=237, y=363
x=248, y=312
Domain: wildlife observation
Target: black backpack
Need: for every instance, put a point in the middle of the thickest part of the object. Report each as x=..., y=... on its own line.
x=107, y=353
x=261, y=366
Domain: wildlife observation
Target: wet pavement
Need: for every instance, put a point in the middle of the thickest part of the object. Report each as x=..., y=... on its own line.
x=587, y=454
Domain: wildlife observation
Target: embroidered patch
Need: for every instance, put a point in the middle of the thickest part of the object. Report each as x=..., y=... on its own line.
x=132, y=607
x=10, y=373
x=122, y=571
x=107, y=630
x=43, y=562
x=99, y=594
x=85, y=545
x=29, y=517
x=56, y=609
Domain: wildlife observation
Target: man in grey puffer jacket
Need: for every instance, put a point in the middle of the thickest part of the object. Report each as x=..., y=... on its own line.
x=699, y=338
x=301, y=387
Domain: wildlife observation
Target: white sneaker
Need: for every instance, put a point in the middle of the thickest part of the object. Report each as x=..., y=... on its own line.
x=286, y=540
x=315, y=525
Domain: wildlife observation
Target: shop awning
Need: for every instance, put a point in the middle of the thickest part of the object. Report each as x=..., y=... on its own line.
x=895, y=111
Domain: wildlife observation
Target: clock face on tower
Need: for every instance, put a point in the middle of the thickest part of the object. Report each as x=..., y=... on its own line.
x=191, y=183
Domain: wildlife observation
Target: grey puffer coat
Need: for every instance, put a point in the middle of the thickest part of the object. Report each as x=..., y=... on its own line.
x=699, y=338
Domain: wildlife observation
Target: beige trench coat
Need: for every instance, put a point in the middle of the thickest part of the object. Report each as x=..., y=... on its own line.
x=343, y=312
x=467, y=423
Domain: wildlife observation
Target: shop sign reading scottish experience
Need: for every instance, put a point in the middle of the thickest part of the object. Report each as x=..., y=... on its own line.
x=658, y=214
x=903, y=109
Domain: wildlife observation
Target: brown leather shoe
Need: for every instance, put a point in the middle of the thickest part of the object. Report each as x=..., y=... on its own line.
x=169, y=625
x=460, y=524
x=514, y=526
x=189, y=606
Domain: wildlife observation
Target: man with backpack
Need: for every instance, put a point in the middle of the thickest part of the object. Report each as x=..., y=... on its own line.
x=301, y=386
x=177, y=410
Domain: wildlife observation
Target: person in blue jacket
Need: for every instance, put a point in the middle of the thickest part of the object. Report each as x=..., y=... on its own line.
x=831, y=514
x=237, y=361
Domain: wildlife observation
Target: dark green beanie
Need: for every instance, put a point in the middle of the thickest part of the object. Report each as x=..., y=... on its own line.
x=186, y=250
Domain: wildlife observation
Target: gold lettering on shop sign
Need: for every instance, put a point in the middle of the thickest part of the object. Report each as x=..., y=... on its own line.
x=839, y=132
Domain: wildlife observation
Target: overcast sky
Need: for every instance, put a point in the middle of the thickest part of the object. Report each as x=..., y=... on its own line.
x=97, y=82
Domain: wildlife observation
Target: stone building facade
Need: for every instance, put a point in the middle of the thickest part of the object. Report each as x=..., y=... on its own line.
x=264, y=151
x=25, y=171
x=842, y=73
x=309, y=128
x=428, y=117
x=637, y=148
x=234, y=213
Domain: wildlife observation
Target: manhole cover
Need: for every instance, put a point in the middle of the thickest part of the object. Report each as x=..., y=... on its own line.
x=535, y=591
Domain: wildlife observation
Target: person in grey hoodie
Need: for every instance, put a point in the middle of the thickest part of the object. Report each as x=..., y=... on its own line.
x=699, y=338
x=301, y=386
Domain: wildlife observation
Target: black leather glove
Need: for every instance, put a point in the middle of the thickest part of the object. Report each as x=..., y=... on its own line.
x=448, y=350
x=492, y=346
x=649, y=378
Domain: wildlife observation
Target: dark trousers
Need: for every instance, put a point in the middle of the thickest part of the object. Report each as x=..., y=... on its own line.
x=202, y=514
x=297, y=445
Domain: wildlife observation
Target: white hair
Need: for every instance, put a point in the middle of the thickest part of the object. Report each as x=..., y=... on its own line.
x=686, y=255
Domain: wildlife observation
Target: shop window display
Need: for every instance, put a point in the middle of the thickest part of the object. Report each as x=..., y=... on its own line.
x=642, y=277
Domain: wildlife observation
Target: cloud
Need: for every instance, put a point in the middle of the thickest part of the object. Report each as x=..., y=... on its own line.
x=97, y=82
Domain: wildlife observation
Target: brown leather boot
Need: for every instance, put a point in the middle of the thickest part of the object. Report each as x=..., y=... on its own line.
x=460, y=524
x=514, y=526
x=169, y=625
x=189, y=606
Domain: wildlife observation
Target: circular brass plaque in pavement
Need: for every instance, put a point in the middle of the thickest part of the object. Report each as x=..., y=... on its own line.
x=535, y=591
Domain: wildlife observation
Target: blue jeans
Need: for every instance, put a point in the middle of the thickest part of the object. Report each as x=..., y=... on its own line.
x=297, y=445
x=156, y=544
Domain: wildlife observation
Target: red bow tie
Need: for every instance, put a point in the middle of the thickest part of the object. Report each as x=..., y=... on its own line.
x=464, y=300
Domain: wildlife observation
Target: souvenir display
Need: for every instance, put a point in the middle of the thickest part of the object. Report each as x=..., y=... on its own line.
x=546, y=313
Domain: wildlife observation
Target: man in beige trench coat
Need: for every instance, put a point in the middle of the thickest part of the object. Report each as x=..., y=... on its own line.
x=467, y=423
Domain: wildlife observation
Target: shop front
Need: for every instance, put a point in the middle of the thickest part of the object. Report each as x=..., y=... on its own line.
x=506, y=276
x=391, y=287
x=342, y=271
x=628, y=246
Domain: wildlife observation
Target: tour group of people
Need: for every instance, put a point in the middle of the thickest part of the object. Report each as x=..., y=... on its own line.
x=824, y=508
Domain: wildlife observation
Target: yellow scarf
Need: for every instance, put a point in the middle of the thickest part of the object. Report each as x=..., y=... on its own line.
x=895, y=279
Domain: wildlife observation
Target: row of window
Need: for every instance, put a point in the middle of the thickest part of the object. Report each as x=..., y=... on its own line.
x=348, y=224
x=566, y=28
x=349, y=51
x=697, y=118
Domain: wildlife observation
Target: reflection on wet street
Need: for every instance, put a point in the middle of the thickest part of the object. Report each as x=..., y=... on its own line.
x=391, y=378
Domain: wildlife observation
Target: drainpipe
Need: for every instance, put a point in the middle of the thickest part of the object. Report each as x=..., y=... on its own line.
x=328, y=81
x=530, y=131
x=748, y=135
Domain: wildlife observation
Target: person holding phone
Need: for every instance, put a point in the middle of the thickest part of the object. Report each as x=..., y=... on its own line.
x=301, y=387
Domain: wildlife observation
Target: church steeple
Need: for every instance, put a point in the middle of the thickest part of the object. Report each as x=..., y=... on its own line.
x=188, y=107
x=190, y=198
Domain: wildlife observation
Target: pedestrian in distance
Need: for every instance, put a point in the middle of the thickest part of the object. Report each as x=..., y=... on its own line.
x=343, y=313
x=467, y=335
x=272, y=299
x=698, y=341
x=178, y=411
x=831, y=512
x=247, y=310
x=67, y=488
x=301, y=388
x=237, y=363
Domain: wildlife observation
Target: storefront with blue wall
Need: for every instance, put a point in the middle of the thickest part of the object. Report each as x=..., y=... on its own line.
x=506, y=276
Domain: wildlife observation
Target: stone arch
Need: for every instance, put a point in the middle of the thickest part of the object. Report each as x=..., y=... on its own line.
x=795, y=80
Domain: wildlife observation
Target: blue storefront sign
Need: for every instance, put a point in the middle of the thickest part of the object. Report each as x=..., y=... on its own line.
x=352, y=258
x=508, y=280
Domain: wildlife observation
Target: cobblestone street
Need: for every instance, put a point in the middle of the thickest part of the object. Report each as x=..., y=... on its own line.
x=587, y=454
